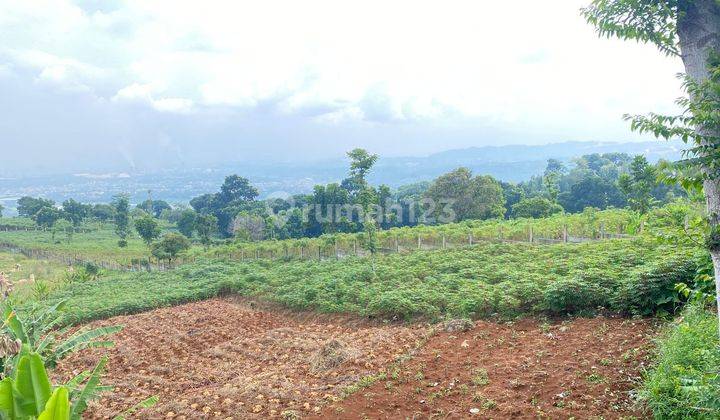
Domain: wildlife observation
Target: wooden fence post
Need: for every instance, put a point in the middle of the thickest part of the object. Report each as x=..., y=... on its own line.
x=443, y=241
x=397, y=245
x=419, y=242
x=531, y=234
x=470, y=238
x=565, y=233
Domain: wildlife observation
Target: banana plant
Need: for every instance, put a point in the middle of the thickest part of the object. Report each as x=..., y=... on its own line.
x=38, y=331
x=29, y=395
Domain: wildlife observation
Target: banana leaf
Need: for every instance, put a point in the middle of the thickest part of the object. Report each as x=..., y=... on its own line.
x=58, y=406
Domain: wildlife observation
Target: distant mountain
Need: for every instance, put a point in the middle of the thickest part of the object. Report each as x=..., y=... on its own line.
x=509, y=163
x=512, y=163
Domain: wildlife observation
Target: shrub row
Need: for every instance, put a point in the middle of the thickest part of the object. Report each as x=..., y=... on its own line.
x=634, y=277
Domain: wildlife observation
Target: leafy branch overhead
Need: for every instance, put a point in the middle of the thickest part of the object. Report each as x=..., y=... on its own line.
x=650, y=21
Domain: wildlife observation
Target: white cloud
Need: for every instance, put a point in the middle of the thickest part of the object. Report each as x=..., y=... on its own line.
x=526, y=63
x=144, y=93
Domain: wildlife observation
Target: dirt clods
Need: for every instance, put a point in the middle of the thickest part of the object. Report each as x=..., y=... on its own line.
x=455, y=325
x=331, y=355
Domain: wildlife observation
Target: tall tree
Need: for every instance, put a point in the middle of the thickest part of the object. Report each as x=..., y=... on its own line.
x=121, y=203
x=154, y=207
x=236, y=188
x=469, y=197
x=360, y=164
x=205, y=226
x=103, y=212
x=47, y=216
x=29, y=206
x=74, y=211
x=638, y=184
x=148, y=229
x=689, y=29
x=170, y=246
x=186, y=222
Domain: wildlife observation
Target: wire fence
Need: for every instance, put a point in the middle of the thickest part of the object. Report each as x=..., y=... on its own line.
x=16, y=228
x=349, y=245
x=340, y=247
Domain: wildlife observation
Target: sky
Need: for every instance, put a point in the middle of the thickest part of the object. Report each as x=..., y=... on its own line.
x=138, y=85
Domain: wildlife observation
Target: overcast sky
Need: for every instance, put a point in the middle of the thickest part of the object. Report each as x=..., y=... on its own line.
x=140, y=83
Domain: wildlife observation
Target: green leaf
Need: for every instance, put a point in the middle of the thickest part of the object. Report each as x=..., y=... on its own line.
x=84, y=339
x=89, y=391
x=32, y=384
x=142, y=404
x=58, y=407
x=8, y=404
x=17, y=328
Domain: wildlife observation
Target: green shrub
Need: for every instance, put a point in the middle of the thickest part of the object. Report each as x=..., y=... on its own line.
x=652, y=289
x=478, y=282
x=685, y=382
x=573, y=295
x=399, y=305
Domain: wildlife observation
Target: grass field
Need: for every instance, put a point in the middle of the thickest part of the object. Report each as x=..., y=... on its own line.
x=47, y=275
x=100, y=244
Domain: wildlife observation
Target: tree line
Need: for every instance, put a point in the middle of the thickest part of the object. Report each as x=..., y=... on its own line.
x=611, y=180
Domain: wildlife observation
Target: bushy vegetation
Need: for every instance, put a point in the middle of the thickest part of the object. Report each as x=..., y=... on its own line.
x=479, y=281
x=685, y=382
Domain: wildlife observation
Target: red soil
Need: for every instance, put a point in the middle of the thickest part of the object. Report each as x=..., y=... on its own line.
x=583, y=368
x=223, y=358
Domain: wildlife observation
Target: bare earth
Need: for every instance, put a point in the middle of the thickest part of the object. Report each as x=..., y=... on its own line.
x=582, y=369
x=220, y=358
x=223, y=358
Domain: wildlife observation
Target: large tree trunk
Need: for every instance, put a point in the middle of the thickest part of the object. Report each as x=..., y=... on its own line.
x=699, y=34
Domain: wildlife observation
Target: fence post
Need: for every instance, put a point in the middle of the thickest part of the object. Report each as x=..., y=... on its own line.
x=565, y=233
x=602, y=230
x=531, y=234
x=419, y=242
x=470, y=238
x=355, y=248
x=336, y=251
x=397, y=245
x=319, y=253
x=443, y=241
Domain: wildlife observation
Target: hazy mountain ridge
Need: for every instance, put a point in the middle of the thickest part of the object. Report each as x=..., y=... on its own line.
x=509, y=163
